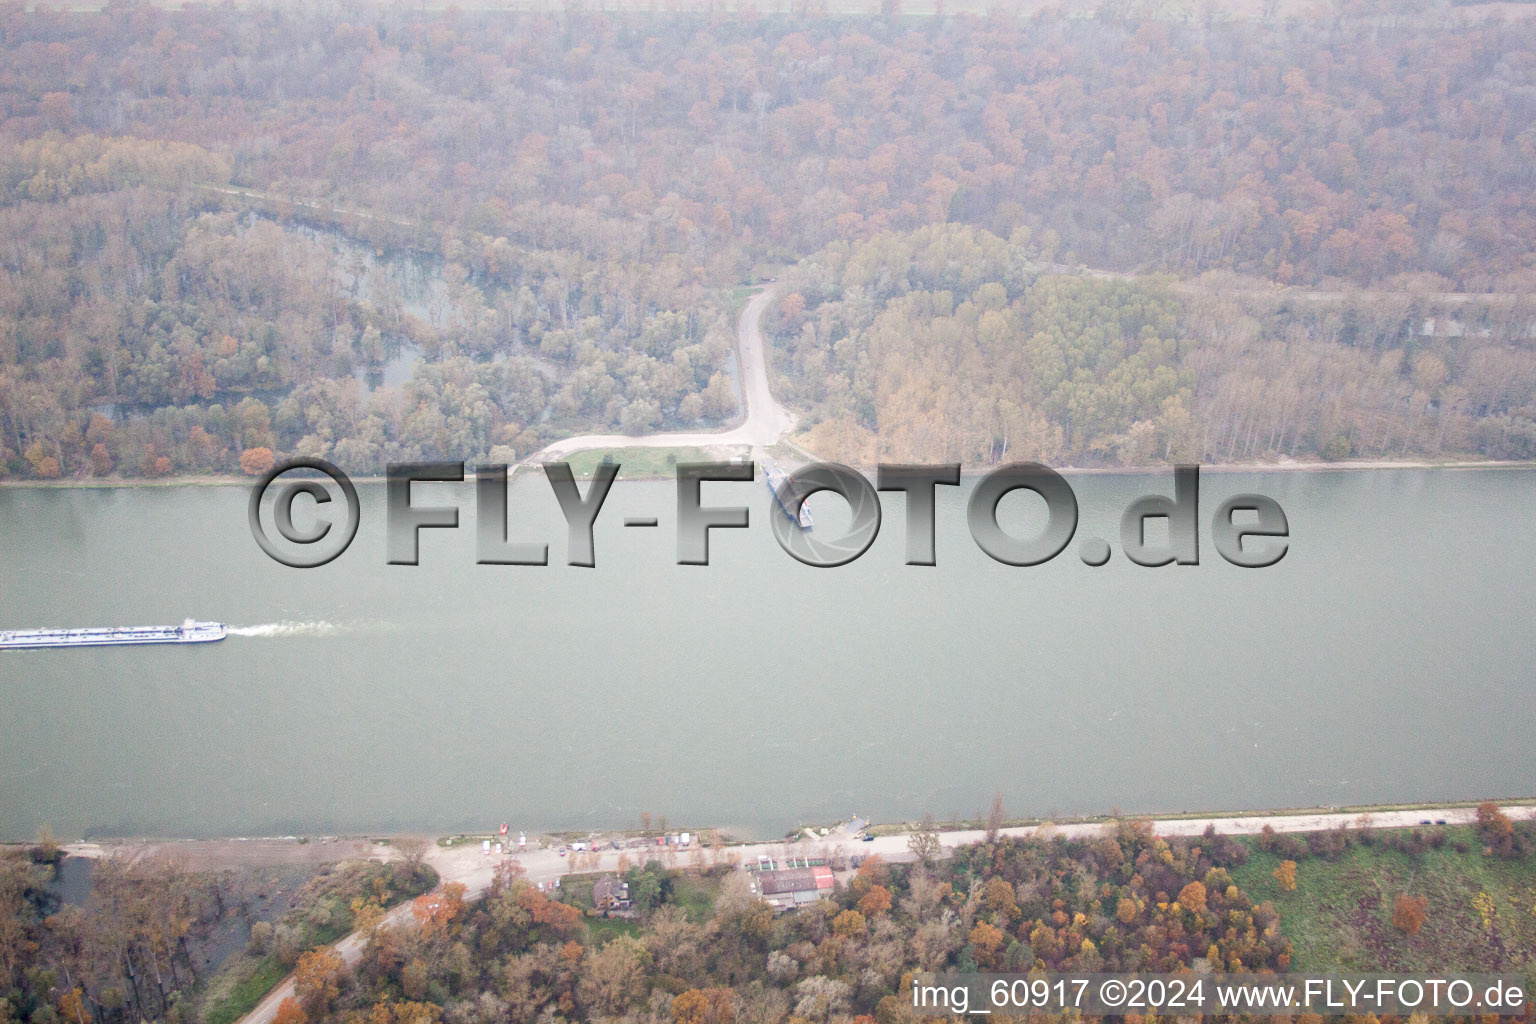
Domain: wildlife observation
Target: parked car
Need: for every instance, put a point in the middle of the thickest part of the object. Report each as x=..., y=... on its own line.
x=866, y=838
x=1439, y=821
x=562, y=851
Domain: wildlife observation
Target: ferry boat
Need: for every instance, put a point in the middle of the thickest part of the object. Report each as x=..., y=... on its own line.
x=189, y=632
x=775, y=478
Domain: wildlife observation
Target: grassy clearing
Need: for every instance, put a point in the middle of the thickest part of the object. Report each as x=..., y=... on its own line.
x=694, y=893
x=638, y=463
x=1340, y=916
x=741, y=295
x=603, y=930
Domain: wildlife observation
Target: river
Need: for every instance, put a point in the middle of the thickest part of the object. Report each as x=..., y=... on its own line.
x=1389, y=657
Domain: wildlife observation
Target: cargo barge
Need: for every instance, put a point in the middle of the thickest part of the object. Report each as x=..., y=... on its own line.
x=189, y=632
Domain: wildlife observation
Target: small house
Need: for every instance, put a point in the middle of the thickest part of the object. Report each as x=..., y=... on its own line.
x=610, y=893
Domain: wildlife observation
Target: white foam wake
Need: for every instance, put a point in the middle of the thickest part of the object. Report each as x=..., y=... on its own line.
x=287, y=628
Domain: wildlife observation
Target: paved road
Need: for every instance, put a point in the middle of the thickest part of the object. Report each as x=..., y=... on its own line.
x=474, y=870
x=766, y=421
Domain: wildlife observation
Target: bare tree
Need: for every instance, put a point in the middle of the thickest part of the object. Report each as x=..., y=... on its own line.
x=924, y=843
x=995, y=817
x=413, y=851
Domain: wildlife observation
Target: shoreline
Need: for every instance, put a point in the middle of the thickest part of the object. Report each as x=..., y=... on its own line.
x=473, y=871
x=1362, y=810
x=460, y=837
x=1293, y=466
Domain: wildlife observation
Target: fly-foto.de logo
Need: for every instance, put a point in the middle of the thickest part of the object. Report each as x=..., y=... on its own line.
x=1249, y=530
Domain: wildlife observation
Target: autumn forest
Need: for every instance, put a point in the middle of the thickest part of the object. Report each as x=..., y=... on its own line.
x=152, y=941
x=375, y=234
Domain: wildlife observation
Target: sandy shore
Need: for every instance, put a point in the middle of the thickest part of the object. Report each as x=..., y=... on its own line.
x=219, y=854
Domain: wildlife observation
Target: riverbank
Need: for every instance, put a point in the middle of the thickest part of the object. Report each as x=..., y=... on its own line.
x=218, y=854
x=323, y=849
x=654, y=473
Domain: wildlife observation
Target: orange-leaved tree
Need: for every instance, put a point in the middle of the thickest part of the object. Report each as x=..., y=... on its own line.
x=317, y=980
x=1408, y=913
x=290, y=1012
x=850, y=924
x=256, y=461
x=875, y=902
x=435, y=911
x=987, y=945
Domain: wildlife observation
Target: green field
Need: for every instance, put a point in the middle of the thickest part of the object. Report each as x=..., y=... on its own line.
x=640, y=463
x=1340, y=916
x=604, y=930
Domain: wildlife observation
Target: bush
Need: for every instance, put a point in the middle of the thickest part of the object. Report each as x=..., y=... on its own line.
x=287, y=944
x=261, y=938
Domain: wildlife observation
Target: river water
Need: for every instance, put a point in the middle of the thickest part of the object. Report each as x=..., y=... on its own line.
x=1389, y=657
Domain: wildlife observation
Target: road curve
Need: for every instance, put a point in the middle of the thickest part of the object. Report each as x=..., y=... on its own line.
x=474, y=870
x=765, y=422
